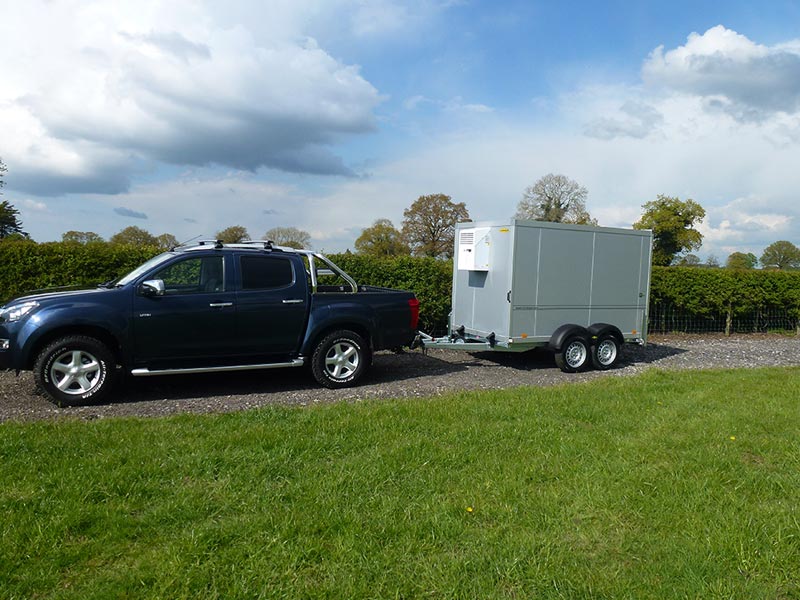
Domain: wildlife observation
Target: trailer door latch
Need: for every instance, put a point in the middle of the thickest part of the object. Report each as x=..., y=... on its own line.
x=508, y=296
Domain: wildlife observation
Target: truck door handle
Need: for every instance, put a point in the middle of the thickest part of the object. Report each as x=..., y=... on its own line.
x=220, y=304
x=293, y=301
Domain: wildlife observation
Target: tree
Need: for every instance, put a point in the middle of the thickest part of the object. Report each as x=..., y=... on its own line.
x=81, y=237
x=672, y=222
x=233, y=234
x=690, y=260
x=740, y=260
x=382, y=239
x=166, y=241
x=134, y=236
x=10, y=225
x=712, y=261
x=555, y=198
x=289, y=236
x=781, y=255
x=429, y=225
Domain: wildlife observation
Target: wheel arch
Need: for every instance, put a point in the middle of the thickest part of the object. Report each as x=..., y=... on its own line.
x=313, y=340
x=600, y=329
x=563, y=332
x=99, y=333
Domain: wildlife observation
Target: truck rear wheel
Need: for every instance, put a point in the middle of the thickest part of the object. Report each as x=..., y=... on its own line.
x=75, y=370
x=340, y=359
x=605, y=353
x=573, y=355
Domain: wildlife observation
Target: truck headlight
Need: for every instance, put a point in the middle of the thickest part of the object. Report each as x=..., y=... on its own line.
x=16, y=311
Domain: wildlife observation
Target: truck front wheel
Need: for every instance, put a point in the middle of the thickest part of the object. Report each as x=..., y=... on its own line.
x=340, y=359
x=75, y=370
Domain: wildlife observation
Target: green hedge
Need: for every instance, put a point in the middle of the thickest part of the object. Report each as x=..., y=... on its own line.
x=25, y=266
x=708, y=291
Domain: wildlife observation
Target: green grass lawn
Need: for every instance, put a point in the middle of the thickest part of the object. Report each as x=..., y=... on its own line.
x=667, y=485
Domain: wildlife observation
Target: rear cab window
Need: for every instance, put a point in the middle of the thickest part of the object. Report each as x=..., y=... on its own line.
x=265, y=272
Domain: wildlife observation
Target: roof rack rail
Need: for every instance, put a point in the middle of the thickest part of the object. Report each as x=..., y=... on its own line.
x=216, y=243
x=268, y=244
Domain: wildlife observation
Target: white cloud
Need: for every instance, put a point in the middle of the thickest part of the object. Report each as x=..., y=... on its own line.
x=625, y=143
x=33, y=205
x=747, y=80
x=92, y=87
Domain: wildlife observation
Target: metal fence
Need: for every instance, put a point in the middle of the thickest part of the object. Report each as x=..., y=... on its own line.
x=671, y=319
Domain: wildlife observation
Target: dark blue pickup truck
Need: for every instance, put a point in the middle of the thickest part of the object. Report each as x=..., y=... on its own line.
x=204, y=308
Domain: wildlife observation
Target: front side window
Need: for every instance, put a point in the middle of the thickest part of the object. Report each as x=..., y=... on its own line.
x=265, y=273
x=193, y=276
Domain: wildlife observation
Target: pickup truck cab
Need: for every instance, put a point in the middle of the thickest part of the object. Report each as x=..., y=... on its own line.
x=204, y=308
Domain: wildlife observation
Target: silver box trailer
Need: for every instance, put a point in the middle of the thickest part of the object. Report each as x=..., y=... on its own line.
x=581, y=291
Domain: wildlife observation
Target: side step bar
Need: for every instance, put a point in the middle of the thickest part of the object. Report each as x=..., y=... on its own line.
x=297, y=362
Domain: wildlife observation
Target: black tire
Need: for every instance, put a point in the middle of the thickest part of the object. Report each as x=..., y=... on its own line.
x=573, y=355
x=605, y=352
x=75, y=370
x=340, y=359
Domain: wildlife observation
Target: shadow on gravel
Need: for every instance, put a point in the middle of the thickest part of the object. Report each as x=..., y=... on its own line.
x=651, y=353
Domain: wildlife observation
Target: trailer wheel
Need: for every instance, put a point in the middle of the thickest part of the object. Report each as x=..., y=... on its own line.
x=340, y=359
x=573, y=355
x=605, y=353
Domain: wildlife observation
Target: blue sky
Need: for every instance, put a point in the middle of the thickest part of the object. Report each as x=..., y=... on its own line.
x=186, y=117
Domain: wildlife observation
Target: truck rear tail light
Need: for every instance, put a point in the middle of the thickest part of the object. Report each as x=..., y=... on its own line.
x=413, y=304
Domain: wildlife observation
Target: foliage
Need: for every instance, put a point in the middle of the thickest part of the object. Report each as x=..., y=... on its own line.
x=81, y=237
x=134, y=236
x=382, y=239
x=291, y=237
x=781, y=255
x=28, y=266
x=166, y=241
x=10, y=225
x=233, y=234
x=709, y=291
x=690, y=260
x=664, y=485
x=672, y=222
x=740, y=260
x=429, y=225
x=555, y=198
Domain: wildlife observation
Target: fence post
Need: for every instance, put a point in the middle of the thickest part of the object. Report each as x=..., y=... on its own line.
x=729, y=319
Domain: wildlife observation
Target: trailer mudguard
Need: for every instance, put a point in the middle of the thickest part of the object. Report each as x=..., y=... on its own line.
x=600, y=329
x=563, y=332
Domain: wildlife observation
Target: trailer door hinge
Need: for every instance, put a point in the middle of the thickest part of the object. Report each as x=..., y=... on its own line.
x=508, y=296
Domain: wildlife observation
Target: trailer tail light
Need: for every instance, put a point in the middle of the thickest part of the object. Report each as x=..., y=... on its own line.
x=413, y=304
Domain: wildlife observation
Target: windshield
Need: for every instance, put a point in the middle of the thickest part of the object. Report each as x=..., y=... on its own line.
x=153, y=262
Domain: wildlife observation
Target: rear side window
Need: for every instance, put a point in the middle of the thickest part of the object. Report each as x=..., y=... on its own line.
x=264, y=273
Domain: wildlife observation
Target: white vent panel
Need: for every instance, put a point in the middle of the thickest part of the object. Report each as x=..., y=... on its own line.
x=473, y=249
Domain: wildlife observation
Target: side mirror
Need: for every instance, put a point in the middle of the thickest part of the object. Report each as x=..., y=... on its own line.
x=152, y=287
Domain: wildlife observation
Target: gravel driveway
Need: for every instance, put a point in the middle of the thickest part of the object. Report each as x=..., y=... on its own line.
x=409, y=374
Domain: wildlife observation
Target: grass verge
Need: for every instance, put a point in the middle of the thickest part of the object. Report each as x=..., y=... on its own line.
x=667, y=485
